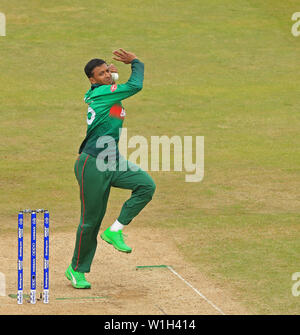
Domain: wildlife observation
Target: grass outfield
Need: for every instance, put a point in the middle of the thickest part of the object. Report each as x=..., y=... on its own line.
x=225, y=70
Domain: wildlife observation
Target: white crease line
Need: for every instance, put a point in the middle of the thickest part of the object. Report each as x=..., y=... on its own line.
x=198, y=292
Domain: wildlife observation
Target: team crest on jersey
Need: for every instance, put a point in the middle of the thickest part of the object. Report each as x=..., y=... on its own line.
x=117, y=111
x=113, y=87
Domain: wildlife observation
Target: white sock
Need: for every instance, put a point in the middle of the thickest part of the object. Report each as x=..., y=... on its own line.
x=116, y=226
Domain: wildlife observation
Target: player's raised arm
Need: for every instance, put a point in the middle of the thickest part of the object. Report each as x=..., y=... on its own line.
x=116, y=92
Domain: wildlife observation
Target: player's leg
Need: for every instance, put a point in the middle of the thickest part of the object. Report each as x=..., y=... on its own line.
x=143, y=188
x=94, y=192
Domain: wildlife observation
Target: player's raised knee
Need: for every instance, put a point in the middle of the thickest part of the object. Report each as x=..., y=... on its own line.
x=150, y=188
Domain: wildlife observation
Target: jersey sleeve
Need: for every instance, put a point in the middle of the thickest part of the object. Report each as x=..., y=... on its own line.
x=117, y=92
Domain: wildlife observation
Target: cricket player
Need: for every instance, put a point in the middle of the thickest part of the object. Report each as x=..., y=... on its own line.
x=100, y=165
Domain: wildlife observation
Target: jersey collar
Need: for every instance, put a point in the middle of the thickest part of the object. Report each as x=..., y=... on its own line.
x=95, y=85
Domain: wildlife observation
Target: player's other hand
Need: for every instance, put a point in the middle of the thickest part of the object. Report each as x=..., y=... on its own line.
x=124, y=56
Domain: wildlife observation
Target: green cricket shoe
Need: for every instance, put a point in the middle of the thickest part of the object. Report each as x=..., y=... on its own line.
x=116, y=239
x=77, y=278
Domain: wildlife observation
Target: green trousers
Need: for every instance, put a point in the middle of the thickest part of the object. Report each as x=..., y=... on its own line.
x=95, y=187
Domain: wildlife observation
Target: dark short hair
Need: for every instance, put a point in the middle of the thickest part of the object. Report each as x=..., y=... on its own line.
x=88, y=69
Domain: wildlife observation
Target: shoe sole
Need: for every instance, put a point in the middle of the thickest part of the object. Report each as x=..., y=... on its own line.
x=68, y=276
x=108, y=240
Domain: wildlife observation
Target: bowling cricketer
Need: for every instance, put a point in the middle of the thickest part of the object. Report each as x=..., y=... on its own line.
x=97, y=168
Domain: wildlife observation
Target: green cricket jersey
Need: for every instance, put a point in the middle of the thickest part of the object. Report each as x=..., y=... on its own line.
x=105, y=115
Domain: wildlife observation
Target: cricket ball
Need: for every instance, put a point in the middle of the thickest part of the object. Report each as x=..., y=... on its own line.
x=115, y=76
